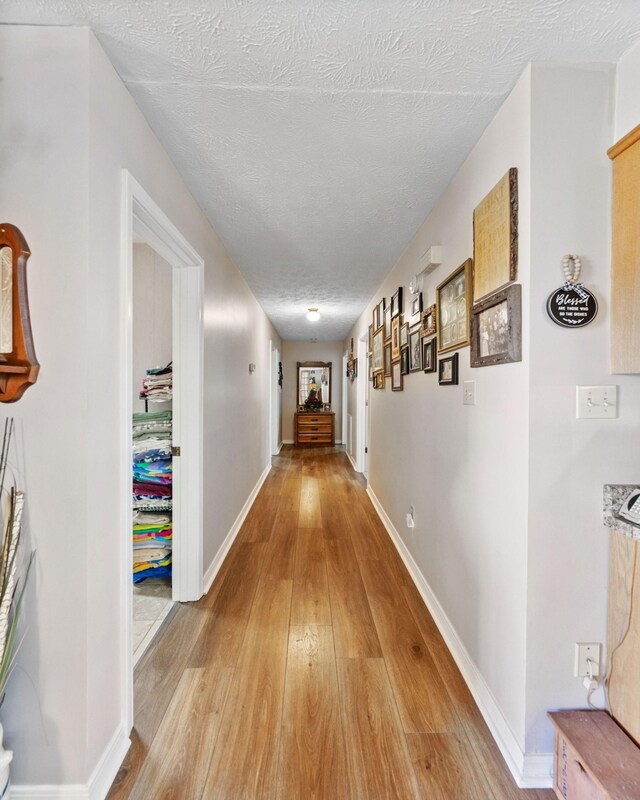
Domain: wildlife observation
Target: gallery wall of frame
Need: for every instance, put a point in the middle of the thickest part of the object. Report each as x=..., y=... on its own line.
x=478, y=305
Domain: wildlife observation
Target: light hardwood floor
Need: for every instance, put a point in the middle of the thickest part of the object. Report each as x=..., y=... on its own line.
x=311, y=670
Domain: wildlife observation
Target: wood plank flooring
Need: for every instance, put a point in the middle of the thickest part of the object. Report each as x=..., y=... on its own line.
x=311, y=670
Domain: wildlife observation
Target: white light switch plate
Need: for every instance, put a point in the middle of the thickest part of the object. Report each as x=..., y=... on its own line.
x=469, y=393
x=596, y=402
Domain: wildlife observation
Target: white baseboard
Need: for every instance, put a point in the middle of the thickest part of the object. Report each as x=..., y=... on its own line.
x=214, y=567
x=287, y=441
x=529, y=770
x=99, y=782
x=353, y=463
x=279, y=448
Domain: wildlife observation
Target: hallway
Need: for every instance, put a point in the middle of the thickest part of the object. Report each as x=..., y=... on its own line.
x=311, y=669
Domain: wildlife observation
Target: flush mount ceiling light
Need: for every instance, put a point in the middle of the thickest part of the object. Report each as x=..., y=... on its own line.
x=312, y=315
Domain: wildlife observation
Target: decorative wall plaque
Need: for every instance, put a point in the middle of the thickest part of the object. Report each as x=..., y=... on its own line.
x=572, y=305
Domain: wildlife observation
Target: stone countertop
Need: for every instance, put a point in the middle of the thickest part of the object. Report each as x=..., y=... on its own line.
x=613, y=496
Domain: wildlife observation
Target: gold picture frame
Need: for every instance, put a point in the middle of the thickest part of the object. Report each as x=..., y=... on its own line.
x=453, y=302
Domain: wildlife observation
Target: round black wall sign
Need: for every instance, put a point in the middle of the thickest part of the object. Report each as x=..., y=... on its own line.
x=572, y=307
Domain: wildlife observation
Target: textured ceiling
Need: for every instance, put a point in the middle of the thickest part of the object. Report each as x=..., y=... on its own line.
x=317, y=134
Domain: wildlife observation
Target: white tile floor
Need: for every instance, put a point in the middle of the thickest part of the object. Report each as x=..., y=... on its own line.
x=151, y=604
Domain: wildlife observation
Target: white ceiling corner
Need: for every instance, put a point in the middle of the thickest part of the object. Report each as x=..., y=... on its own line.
x=317, y=134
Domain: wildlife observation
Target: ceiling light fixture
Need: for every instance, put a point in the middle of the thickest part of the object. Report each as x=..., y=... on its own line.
x=312, y=315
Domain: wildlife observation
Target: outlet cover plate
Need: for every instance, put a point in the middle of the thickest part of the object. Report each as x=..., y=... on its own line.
x=585, y=651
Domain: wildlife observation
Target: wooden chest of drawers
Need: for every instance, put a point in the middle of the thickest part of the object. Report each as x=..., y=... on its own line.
x=313, y=429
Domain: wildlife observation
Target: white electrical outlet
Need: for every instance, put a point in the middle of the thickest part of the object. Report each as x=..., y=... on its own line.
x=585, y=652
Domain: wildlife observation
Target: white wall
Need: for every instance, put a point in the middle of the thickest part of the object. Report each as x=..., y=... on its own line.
x=68, y=127
x=627, y=113
x=449, y=460
x=508, y=493
x=292, y=352
x=152, y=318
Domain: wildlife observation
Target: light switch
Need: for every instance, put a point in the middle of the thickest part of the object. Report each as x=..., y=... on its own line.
x=469, y=393
x=596, y=402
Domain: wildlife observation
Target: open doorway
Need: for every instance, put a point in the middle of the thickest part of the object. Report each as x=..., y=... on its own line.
x=174, y=277
x=275, y=400
x=152, y=446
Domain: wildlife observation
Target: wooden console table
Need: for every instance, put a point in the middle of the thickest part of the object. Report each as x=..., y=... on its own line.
x=314, y=428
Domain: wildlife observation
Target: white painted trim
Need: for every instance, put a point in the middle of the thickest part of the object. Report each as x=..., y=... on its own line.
x=99, y=783
x=107, y=768
x=279, y=448
x=141, y=214
x=529, y=770
x=353, y=463
x=73, y=791
x=361, y=407
x=287, y=441
x=214, y=567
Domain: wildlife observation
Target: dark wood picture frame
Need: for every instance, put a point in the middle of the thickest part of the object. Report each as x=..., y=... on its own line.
x=416, y=304
x=404, y=335
x=495, y=238
x=428, y=323
x=387, y=359
x=396, y=376
x=396, y=303
x=381, y=306
x=429, y=357
x=453, y=302
x=496, y=328
x=415, y=349
x=387, y=322
x=404, y=360
x=395, y=338
x=448, y=370
x=378, y=380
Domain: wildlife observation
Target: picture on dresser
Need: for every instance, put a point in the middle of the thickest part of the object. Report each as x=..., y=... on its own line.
x=314, y=384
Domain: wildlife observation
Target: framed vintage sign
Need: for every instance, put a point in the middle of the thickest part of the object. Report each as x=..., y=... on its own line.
x=496, y=328
x=495, y=237
x=453, y=302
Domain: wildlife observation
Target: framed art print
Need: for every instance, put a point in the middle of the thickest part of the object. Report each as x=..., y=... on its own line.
x=453, y=302
x=396, y=303
x=416, y=304
x=404, y=335
x=448, y=370
x=395, y=338
x=496, y=328
x=378, y=351
x=404, y=360
x=429, y=355
x=495, y=238
x=396, y=376
x=428, y=321
x=415, y=349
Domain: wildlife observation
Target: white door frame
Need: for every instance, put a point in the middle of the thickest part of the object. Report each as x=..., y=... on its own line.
x=273, y=393
x=362, y=405
x=142, y=217
x=344, y=410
